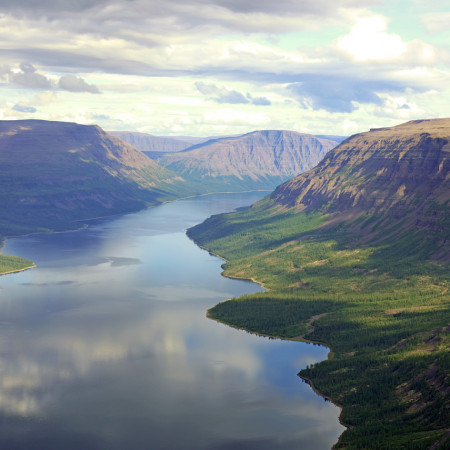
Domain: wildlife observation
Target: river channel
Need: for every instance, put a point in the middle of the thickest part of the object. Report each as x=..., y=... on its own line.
x=106, y=345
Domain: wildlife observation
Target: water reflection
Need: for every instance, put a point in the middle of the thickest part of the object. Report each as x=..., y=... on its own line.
x=106, y=345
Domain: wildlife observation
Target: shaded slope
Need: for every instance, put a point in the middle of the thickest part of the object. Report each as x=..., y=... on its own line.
x=360, y=241
x=53, y=173
x=261, y=159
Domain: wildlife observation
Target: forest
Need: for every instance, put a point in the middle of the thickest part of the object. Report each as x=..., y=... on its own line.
x=383, y=308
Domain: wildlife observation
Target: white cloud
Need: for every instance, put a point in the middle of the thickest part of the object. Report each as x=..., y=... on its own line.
x=369, y=41
x=232, y=116
x=151, y=54
x=398, y=107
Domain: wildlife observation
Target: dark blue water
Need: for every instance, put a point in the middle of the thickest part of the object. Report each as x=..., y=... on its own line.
x=106, y=345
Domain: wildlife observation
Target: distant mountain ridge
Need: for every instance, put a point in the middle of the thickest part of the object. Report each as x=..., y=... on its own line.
x=260, y=159
x=150, y=143
x=54, y=173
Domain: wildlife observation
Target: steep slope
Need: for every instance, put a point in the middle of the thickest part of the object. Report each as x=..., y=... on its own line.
x=377, y=170
x=261, y=159
x=396, y=174
x=53, y=173
x=355, y=254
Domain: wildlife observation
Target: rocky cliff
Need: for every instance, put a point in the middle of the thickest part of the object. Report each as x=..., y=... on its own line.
x=399, y=171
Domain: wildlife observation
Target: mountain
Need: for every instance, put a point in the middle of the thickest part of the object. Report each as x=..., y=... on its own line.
x=149, y=143
x=355, y=255
x=396, y=173
x=257, y=160
x=54, y=173
x=157, y=146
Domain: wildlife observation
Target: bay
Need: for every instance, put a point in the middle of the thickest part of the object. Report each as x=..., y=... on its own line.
x=106, y=345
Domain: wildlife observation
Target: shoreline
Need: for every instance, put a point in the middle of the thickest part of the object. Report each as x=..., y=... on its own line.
x=232, y=277
x=309, y=326
x=18, y=270
x=328, y=399
x=33, y=265
x=250, y=279
x=86, y=225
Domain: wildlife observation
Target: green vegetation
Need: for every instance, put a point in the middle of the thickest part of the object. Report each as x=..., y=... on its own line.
x=381, y=300
x=210, y=184
x=10, y=264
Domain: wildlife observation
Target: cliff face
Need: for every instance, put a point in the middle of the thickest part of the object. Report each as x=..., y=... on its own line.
x=53, y=173
x=258, y=156
x=396, y=171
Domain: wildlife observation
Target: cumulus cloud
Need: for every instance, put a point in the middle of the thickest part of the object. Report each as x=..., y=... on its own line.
x=341, y=94
x=23, y=108
x=259, y=101
x=28, y=77
x=369, y=40
x=223, y=95
x=263, y=45
x=73, y=83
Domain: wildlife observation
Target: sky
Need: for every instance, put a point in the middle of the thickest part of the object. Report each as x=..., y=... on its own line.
x=207, y=68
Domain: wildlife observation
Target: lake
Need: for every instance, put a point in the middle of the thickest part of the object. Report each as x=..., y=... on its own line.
x=106, y=345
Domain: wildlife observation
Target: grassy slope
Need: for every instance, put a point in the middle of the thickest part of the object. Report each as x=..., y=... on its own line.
x=387, y=306
x=9, y=264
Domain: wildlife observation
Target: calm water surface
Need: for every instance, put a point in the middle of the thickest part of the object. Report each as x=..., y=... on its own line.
x=105, y=345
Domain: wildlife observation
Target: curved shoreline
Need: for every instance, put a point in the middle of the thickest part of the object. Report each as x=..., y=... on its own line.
x=18, y=270
x=296, y=339
x=85, y=225
x=251, y=279
x=32, y=266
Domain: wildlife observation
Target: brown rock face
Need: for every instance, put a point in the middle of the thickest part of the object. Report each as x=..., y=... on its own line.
x=52, y=173
x=397, y=170
x=255, y=156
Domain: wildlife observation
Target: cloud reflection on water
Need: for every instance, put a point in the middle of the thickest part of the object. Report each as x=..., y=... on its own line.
x=107, y=356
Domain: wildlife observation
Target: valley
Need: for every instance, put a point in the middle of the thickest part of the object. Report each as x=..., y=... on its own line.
x=57, y=175
x=354, y=253
x=225, y=225
x=363, y=237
